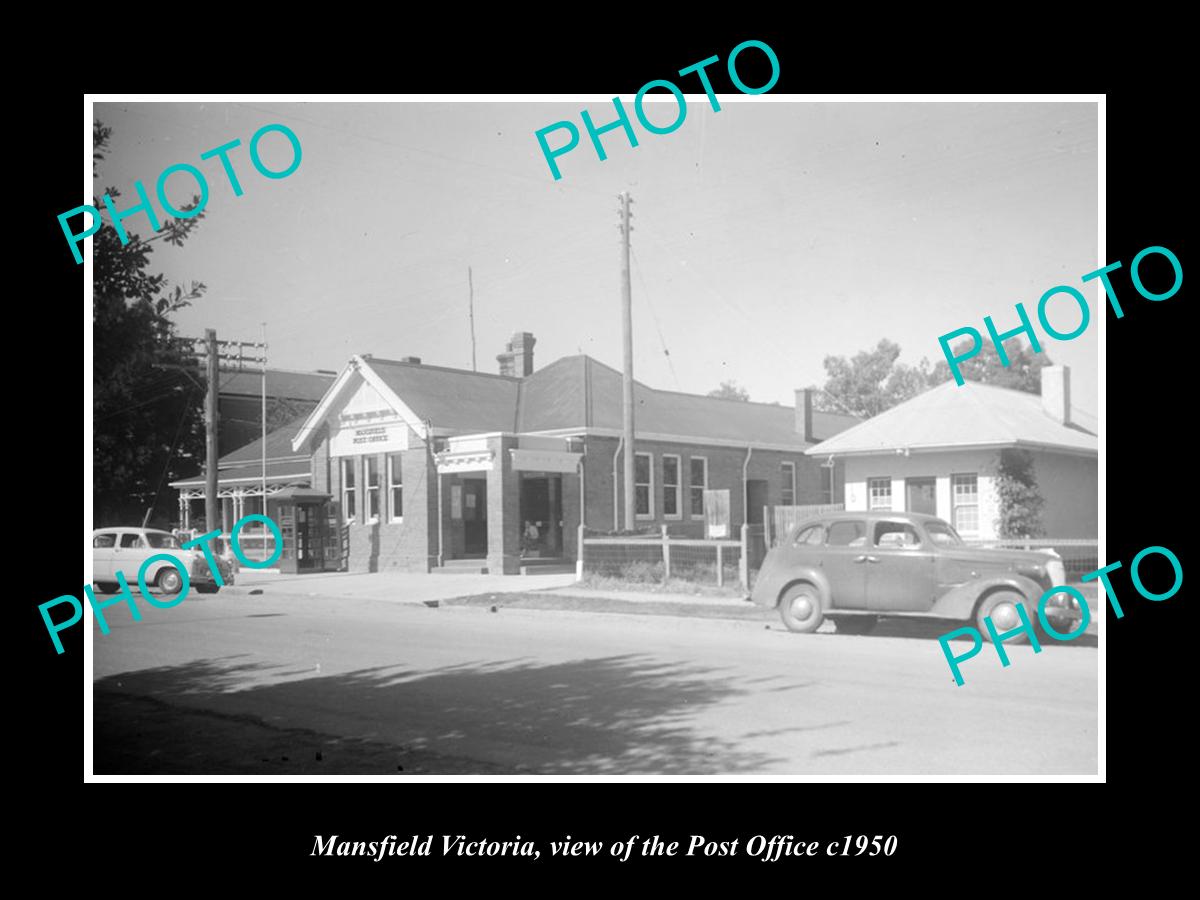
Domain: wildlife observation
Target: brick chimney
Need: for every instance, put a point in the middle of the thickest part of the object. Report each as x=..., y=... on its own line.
x=517, y=358
x=414, y=360
x=1056, y=393
x=804, y=425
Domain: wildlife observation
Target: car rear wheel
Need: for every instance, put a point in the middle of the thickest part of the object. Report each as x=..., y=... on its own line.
x=169, y=580
x=855, y=624
x=1001, y=607
x=801, y=609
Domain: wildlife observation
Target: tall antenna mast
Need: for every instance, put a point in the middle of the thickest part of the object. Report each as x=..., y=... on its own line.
x=471, y=308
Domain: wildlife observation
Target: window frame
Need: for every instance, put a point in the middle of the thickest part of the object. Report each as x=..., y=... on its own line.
x=864, y=536
x=349, y=463
x=649, y=486
x=871, y=507
x=677, y=486
x=372, y=491
x=692, y=487
x=955, y=505
x=393, y=486
x=784, y=467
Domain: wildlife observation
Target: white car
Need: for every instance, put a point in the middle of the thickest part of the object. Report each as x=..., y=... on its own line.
x=125, y=549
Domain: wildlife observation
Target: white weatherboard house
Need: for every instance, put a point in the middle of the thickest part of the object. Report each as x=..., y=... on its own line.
x=938, y=453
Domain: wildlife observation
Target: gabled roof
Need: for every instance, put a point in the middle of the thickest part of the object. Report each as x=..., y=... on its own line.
x=578, y=391
x=959, y=416
x=575, y=392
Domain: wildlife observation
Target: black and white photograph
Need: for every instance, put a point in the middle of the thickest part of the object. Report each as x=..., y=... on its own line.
x=691, y=435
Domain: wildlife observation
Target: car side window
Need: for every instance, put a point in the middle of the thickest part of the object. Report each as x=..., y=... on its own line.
x=847, y=534
x=133, y=541
x=898, y=535
x=814, y=534
x=104, y=540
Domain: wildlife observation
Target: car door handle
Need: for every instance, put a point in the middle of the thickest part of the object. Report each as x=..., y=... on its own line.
x=864, y=558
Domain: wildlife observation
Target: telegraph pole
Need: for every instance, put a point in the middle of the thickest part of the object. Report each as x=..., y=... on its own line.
x=471, y=308
x=627, y=323
x=210, y=432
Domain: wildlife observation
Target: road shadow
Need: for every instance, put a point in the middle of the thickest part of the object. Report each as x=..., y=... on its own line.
x=932, y=629
x=610, y=715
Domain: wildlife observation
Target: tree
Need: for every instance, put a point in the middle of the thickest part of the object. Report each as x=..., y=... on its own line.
x=872, y=381
x=1023, y=372
x=1020, y=501
x=147, y=410
x=731, y=390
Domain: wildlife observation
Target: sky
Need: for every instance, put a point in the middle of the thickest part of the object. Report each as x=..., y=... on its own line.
x=766, y=235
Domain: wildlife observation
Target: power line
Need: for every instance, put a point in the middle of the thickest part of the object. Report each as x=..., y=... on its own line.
x=637, y=266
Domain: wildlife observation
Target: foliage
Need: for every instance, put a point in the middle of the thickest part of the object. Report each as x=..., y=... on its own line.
x=1020, y=501
x=871, y=382
x=147, y=411
x=730, y=390
x=1023, y=372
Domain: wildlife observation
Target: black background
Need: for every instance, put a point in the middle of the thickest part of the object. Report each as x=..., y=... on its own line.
x=949, y=834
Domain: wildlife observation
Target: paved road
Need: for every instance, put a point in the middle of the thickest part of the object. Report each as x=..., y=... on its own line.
x=556, y=692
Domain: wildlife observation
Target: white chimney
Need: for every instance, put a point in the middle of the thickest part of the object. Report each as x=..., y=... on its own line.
x=804, y=424
x=1056, y=393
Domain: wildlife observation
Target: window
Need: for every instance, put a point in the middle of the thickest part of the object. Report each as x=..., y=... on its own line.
x=163, y=541
x=896, y=535
x=671, y=486
x=396, y=487
x=133, y=541
x=372, y=488
x=879, y=493
x=813, y=534
x=349, y=489
x=847, y=534
x=789, y=484
x=643, y=485
x=964, y=493
x=697, y=484
x=104, y=540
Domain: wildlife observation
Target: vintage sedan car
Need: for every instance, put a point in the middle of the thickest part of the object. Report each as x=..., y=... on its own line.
x=855, y=567
x=125, y=549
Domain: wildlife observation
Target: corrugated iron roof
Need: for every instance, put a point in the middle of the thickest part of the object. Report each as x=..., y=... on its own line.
x=965, y=415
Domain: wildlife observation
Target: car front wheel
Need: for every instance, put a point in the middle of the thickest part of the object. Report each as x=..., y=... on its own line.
x=1001, y=607
x=801, y=609
x=169, y=580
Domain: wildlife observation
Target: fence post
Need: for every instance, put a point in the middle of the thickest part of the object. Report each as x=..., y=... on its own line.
x=720, y=566
x=666, y=554
x=744, y=562
x=579, y=556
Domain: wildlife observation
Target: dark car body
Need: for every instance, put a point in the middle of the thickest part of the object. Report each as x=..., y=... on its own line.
x=874, y=564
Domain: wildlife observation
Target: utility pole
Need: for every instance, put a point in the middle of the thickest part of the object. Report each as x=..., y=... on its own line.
x=264, y=436
x=210, y=431
x=627, y=323
x=471, y=308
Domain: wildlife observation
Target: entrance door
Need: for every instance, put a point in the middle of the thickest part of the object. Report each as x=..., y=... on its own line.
x=475, y=533
x=541, y=515
x=921, y=495
x=756, y=499
x=308, y=544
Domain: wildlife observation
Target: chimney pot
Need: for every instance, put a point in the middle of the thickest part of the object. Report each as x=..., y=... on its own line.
x=517, y=358
x=415, y=360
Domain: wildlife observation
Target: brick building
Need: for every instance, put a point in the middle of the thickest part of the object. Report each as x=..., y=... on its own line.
x=426, y=466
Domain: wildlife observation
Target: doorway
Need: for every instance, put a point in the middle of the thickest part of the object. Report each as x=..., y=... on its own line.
x=756, y=499
x=921, y=495
x=541, y=515
x=474, y=513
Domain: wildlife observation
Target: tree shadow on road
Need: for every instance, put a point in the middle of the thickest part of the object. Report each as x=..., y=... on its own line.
x=610, y=715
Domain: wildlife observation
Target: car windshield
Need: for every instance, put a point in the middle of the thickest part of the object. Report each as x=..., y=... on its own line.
x=942, y=534
x=163, y=541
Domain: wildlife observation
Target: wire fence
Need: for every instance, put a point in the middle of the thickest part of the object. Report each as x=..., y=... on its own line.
x=1079, y=555
x=659, y=559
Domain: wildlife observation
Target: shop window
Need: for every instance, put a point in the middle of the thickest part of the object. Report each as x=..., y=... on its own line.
x=964, y=492
x=697, y=484
x=671, y=487
x=643, y=485
x=396, y=487
x=349, y=489
x=879, y=493
x=788, y=497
